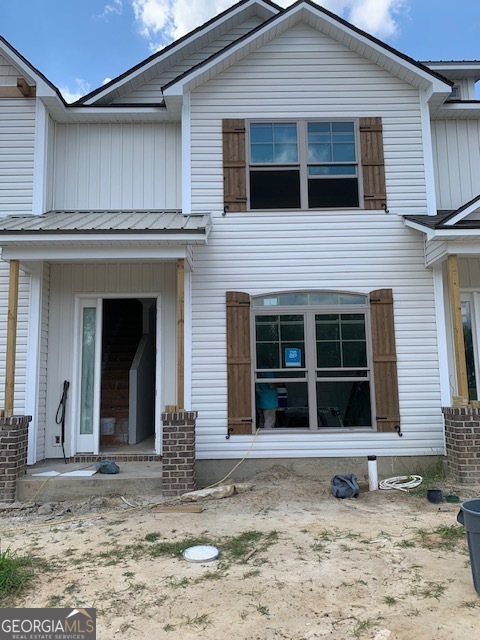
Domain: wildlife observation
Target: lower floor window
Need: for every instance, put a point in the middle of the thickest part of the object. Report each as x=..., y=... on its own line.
x=312, y=361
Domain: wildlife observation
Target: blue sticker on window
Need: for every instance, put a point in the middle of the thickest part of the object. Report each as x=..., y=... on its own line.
x=293, y=357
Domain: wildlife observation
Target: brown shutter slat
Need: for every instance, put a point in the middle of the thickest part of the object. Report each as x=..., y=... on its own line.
x=234, y=165
x=373, y=163
x=239, y=366
x=384, y=360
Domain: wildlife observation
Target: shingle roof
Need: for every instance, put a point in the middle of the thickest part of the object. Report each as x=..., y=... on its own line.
x=80, y=221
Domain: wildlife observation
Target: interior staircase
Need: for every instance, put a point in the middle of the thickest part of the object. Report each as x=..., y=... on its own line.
x=122, y=330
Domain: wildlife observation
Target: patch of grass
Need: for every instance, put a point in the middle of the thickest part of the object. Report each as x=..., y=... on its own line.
x=470, y=604
x=237, y=548
x=390, y=600
x=445, y=537
x=152, y=537
x=169, y=627
x=432, y=474
x=177, y=583
x=264, y=611
x=405, y=544
x=251, y=574
x=362, y=626
x=202, y=621
x=16, y=573
x=431, y=590
x=174, y=549
x=55, y=601
x=210, y=575
x=73, y=587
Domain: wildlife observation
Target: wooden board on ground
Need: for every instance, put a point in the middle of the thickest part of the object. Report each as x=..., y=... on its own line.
x=180, y=508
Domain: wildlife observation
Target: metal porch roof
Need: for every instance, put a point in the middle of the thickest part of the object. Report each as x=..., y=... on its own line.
x=107, y=222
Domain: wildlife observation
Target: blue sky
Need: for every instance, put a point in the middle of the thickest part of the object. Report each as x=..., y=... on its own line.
x=78, y=44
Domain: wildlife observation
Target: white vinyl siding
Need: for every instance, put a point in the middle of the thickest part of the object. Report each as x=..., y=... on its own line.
x=261, y=253
x=98, y=280
x=117, y=166
x=456, y=152
x=17, y=139
x=304, y=74
x=8, y=73
x=151, y=91
x=22, y=335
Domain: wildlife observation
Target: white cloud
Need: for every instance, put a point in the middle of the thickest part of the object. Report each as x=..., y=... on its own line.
x=116, y=6
x=161, y=21
x=106, y=81
x=72, y=95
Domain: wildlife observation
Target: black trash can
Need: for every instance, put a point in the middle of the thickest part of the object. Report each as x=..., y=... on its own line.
x=469, y=516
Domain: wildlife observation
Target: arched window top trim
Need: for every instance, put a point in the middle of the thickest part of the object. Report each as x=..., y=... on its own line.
x=310, y=298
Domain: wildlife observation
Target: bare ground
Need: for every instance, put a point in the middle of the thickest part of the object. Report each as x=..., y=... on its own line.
x=295, y=563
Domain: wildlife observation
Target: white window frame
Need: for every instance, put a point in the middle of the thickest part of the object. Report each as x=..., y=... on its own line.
x=303, y=163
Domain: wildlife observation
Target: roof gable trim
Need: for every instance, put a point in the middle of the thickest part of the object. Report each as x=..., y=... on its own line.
x=173, y=48
x=311, y=14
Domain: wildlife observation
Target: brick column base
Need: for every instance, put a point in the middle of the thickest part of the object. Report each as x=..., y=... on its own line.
x=178, y=459
x=462, y=435
x=13, y=454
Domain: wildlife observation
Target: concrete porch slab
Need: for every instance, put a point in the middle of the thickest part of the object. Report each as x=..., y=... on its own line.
x=134, y=479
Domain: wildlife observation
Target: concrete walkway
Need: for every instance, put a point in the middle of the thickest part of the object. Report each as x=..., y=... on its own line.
x=134, y=479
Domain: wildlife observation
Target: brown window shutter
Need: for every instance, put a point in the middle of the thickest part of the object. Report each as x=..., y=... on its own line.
x=234, y=165
x=384, y=361
x=239, y=366
x=373, y=163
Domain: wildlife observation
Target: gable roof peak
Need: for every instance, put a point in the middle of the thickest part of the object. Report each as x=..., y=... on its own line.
x=264, y=8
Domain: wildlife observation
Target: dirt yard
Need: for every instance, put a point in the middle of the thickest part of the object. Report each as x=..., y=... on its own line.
x=295, y=563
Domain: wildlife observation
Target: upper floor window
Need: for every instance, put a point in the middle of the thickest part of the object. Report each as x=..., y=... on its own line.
x=299, y=164
x=303, y=165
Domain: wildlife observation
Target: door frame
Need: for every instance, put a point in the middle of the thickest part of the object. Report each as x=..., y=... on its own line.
x=81, y=300
x=473, y=297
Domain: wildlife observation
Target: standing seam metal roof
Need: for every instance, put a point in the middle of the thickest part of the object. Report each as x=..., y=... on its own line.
x=149, y=221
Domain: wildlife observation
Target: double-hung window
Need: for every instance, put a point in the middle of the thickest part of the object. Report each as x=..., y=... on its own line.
x=303, y=164
x=314, y=349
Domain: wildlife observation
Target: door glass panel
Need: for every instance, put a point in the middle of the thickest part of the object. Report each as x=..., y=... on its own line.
x=469, y=351
x=88, y=371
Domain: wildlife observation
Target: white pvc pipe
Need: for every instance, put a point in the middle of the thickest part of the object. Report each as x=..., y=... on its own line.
x=372, y=473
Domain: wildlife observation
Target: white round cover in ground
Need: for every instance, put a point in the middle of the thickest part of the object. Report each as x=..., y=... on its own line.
x=201, y=553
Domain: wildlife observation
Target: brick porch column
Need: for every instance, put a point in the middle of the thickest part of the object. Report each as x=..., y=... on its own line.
x=13, y=454
x=178, y=459
x=462, y=435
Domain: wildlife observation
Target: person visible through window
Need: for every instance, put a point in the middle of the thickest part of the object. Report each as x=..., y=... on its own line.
x=266, y=397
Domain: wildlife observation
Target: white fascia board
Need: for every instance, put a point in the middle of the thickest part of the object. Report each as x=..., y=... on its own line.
x=130, y=239
x=85, y=253
x=429, y=233
x=175, y=50
x=311, y=15
x=454, y=234
x=66, y=114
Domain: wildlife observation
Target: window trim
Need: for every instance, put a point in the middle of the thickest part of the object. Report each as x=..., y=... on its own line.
x=303, y=164
x=311, y=368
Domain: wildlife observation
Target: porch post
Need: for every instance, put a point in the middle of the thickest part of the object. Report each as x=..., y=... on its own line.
x=180, y=334
x=457, y=324
x=11, y=337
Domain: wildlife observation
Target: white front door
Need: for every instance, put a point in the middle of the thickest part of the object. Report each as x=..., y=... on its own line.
x=88, y=375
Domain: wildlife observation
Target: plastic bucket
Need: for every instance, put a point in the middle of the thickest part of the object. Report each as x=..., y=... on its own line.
x=469, y=516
